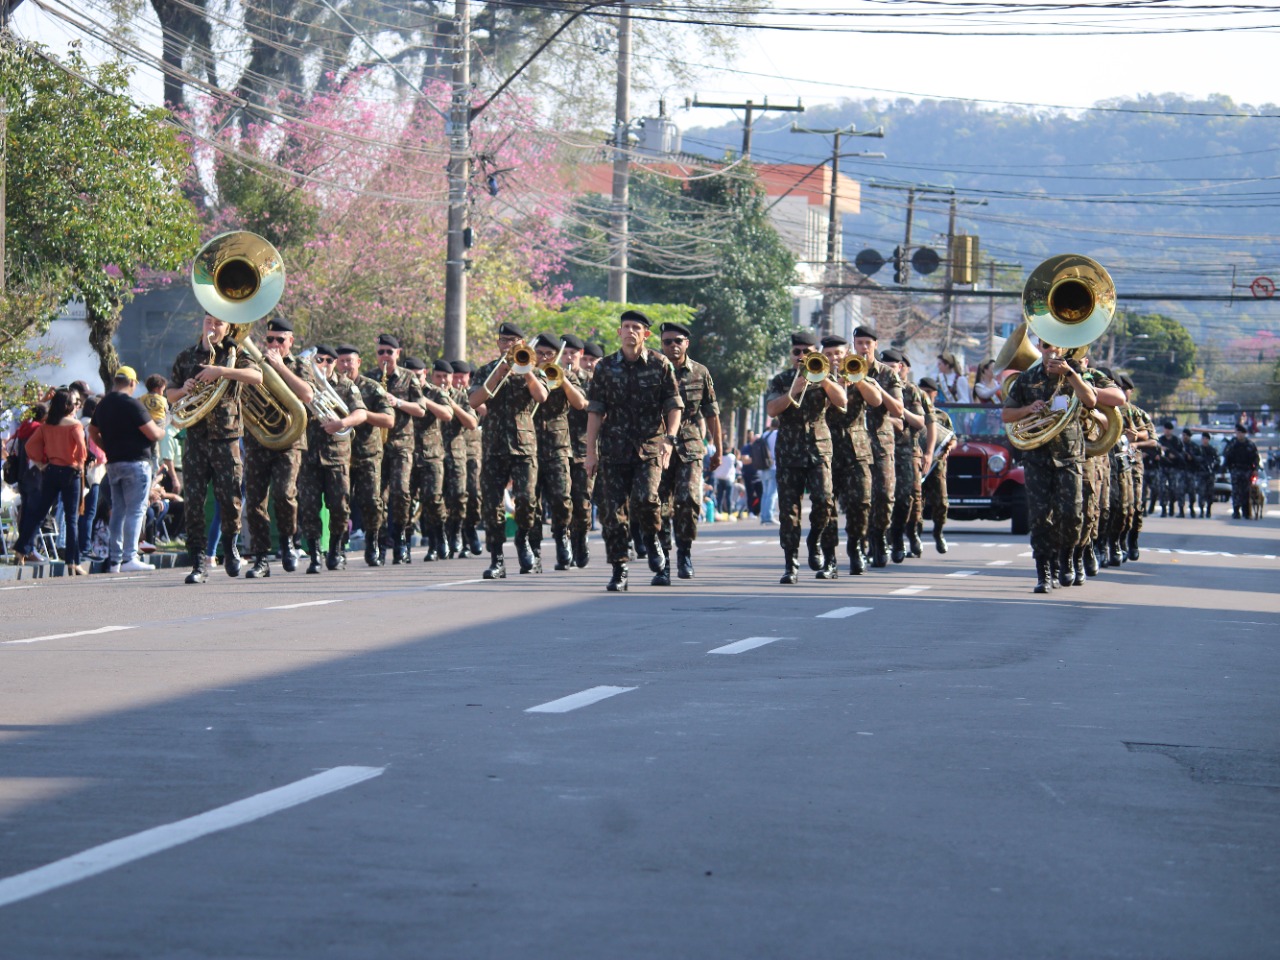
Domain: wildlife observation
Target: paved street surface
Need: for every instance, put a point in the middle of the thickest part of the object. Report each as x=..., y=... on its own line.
x=925, y=762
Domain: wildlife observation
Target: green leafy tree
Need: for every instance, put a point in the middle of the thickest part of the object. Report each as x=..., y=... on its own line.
x=94, y=185
x=1166, y=348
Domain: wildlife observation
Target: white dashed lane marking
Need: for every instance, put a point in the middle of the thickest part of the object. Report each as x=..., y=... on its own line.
x=962, y=573
x=582, y=699
x=741, y=646
x=63, y=636
x=907, y=591
x=840, y=613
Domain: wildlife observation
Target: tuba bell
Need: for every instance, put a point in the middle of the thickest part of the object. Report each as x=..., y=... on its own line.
x=1068, y=301
x=238, y=277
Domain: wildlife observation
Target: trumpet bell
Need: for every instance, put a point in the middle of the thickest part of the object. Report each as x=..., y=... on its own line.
x=238, y=277
x=1017, y=352
x=853, y=368
x=816, y=367
x=1069, y=300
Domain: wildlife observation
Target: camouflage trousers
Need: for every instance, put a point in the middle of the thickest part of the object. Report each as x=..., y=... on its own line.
x=812, y=474
x=332, y=484
x=1241, y=482
x=1139, y=495
x=851, y=486
x=553, y=499
x=906, y=487
x=475, y=493
x=883, y=483
x=620, y=483
x=934, y=490
x=1091, y=491
x=680, y=492
x=431, y=492
x=274, y=471
x=1120, y=515
x=580, y=486
x=1054, y=505
x=455, y=490
x=496, y=472
x=366, y=486
x=213, y=463
x=1204, y=488
x=397, y=479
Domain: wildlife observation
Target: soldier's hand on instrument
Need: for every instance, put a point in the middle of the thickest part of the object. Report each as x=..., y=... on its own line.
x=208, y=373
x=332, y=426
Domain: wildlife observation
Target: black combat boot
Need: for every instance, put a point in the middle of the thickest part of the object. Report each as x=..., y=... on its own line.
x=830, y=566
x=618, y=583
x=1077, y=565
x=260, y=568
x=471, y=539
x=397, y=556
x=1091, y=559
x=663, y=577
x=899, y=551
x=1113, y=552
x=792, y=573
x=1053, y=573
x=564, y=552
x=879, y=549
x=288, y=555
x=1208, y=509
x=232, y=559
x=524, y=553
x=371, y=552
x=914, y=546
x=814, y=542
x=453, y=540
x=939, y=540
x=497, y=568
x=684, y=559
x=654, y=552
x=1043, y=576
x=857, y=560
x=313, y=551
x=336, y=559
x=431, y=545
x=405, y=544
x=199, y=570
x=638, y=544
x=581, y=552
x=1181, y=510
x=1066, y=569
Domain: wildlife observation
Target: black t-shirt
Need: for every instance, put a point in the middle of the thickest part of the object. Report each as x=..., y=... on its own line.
x=119, y=418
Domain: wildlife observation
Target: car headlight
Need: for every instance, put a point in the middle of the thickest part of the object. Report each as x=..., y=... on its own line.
x=997, y=462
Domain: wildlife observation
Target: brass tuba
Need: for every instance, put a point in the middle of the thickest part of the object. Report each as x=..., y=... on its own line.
x=1068, y=301
x=238, y=277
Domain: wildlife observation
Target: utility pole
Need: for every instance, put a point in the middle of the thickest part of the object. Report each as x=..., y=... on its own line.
x=455, y=271
x=750, y=107
x=621, y=163
x=833, y=215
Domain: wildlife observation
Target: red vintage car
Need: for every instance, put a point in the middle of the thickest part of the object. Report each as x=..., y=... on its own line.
x=983, y=482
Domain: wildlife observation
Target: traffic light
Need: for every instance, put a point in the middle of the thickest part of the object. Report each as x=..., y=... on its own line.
x=964, y=259
x=901, y=270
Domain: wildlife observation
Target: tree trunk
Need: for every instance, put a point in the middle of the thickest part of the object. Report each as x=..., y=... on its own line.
x=102, y=327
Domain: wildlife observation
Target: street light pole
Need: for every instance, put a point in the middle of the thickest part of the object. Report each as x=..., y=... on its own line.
x=455, y=277
x=618, y=216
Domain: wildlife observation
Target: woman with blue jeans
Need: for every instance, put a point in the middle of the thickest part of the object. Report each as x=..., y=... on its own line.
x=58, y=448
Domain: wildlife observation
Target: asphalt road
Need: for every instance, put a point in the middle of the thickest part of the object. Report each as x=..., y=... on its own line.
x=923, y=762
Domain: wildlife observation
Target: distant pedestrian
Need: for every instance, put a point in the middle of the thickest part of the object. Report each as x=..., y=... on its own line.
x=58, y=450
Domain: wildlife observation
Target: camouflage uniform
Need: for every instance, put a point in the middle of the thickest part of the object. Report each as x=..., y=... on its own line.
x=680, y=489
x=455, y=469
x=510, y=455
x=366, y=462
x=398, y=451
x=1241, y=459
x=803, y=459
x=934, y=488
x=851, y=461
x=212, y=453
x=429, y=457
x=326, y=472
x=633, y=397
x=579, y=483
x=906, y=467
x=1207, y=466
x=555, y=450
x=881, y=431
x=1172, y=458
x=1141, y=420
x=475, y=494
x=276, y=472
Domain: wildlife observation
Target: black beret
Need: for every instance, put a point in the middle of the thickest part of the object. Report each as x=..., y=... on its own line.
x=803, y=338
x=413, y=363
x=928, y=383
x=892, y=355
x=1205, y=436
x=572, y=341
x=834, y=341
x=442, y=366
x=868, y=332
x=593, y=349
x=679, y=328
x=1241, y=428
x=1125, y=381
x=344, y=348
x=324, y=350
x=1186, y=431
x=387, y=340
x=1168, y=424
x=280, y=324
x=510, y=330
x=635, y=316
x=460, y=366
x=545, y=339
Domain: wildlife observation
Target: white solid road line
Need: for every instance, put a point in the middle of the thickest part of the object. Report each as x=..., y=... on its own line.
x=309, y=603
x=906, y=591
x=962, y=573
x=840, y=612
x=999, y=563
x=127, y=849
x=576, y=700
x=741, y=646
x=63, y=636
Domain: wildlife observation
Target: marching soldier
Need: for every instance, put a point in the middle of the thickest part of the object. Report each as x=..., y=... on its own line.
x=851, y=460
x=555, y=452
x=803, y=453
x=680, y=489
x=1241, y=458
x=430, y=454
x=906, y=466
x=1141, y=433
x=366, y=449
x=1171, y=460
x=510, y=451
x=1207, y=459
x=633, y=423
x=454, y=434
x=404, y=394
x=475, y=457
x=579, y=483
x=212, y=455
x=275, y=471
x=326, y=466
x=881, y=423
x=934, y=485
x=923, y=440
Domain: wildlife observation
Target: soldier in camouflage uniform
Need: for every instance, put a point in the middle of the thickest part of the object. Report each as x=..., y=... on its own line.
x=851, y=460
x=1207, y=459
x=555, y=451
x=212, y=454
x=803, y=453
x=923, y=440
x=634, y=411
x=455, y=456
x=326, y=467
x=680, y=489
x=575, y=353
x=881, y=424
x=366, y=450
x=405, y=395
x=1171, y=461
x=1142, y=439
x=1054, y=470
x=934, y=483
x=275, y=471
x=474, y=518
x=906, y=465
x=510, y=451
x=429, y=434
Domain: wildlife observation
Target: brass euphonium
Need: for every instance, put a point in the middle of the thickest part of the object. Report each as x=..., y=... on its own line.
x=326, y=405
x=238, y=277
x=1068, y=301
